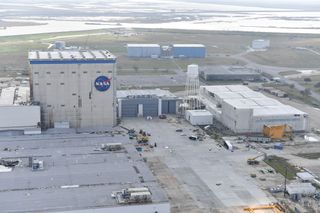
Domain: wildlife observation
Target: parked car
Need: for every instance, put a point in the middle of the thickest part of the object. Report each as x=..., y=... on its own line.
x=193, y=137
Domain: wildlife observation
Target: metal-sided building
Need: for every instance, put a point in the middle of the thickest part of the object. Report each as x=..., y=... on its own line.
x=20, y=118
x=16, y=113
x=199, y=117
x=135, y=103
x=246, y=111
x=188, y=51
x=260, y=44
x=143, y=50
x=224, y=73
x=78, y=87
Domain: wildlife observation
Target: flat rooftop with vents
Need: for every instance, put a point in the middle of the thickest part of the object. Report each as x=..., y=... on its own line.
x=246, y=111
x=78, y=176
x=65, y=55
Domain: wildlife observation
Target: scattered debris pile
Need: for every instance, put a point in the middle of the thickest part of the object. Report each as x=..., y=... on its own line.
x=9, y=163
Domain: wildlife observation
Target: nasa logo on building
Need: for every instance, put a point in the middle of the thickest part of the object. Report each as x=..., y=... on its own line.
x=102, y=83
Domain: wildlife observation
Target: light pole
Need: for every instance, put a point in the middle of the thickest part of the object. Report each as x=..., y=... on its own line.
x=285, y=182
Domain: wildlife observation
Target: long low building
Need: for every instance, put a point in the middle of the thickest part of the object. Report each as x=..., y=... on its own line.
x=225, y=73
x=188, y=51
x=153, y=102
x=246, y=111
x=19, y=118
x=143, y=50
x=16, y=113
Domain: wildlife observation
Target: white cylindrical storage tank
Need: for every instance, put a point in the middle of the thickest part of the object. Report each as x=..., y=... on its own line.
x=59, y=45
x=193, y=71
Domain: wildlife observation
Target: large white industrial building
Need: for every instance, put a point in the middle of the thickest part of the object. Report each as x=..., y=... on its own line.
x=246, y=111
x=75, y=87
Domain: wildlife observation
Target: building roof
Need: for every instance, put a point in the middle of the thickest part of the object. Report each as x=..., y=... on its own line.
x=225, y=70
x=143, y=93
x=14, y=95
x=242, y=97
x=143, y=45
x=7, y=96
x=199, y=112
x=300, y=188
x=62, y=55
x=305, y=176
x=76, y=175
x=188, y=45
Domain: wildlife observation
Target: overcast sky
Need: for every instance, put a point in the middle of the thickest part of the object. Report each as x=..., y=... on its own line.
x=297, y=4
x=284, y=4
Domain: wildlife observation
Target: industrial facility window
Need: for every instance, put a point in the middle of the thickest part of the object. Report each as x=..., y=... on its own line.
x=74, y=94
x=48, y=72
x=48, y=105
x=109, y=71
x=37, y=84
x=98, y=71
x=73, y=72
x=62, y=105
x=85, y=72
x=61, y=72
x=49, y=84
x=36, y=73
x=61, y=83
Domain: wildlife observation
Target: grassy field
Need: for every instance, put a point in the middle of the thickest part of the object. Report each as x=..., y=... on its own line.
x=280, y=164
x=14, y=49
x=294, y=93
x=315, y=79
x=283, y=52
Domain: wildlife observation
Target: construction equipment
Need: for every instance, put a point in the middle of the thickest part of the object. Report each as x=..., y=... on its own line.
x=273, y=207
x=142, y=137
x=133, y=195
x=37, y=165
x=254, y=161
x=278, y=131
x=111, y=146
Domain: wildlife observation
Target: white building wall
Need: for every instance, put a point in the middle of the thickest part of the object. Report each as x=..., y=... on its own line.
x=148, y=208
x=260, y=44
x=19, y=117
x=300, y=123
x=198, y=119
x=238, y=120
x=66, y=92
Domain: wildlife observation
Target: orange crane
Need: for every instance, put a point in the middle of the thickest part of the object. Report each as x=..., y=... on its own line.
x=276, y=208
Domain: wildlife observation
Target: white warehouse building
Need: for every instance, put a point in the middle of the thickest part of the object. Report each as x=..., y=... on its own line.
x=74, y=87
x=246, y=111
x=260, y=44
x=16, y=112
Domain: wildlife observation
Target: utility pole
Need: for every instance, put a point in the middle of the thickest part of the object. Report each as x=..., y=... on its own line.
x=285, y=182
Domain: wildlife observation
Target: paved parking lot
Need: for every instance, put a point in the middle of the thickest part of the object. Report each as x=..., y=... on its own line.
x=216, y=179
